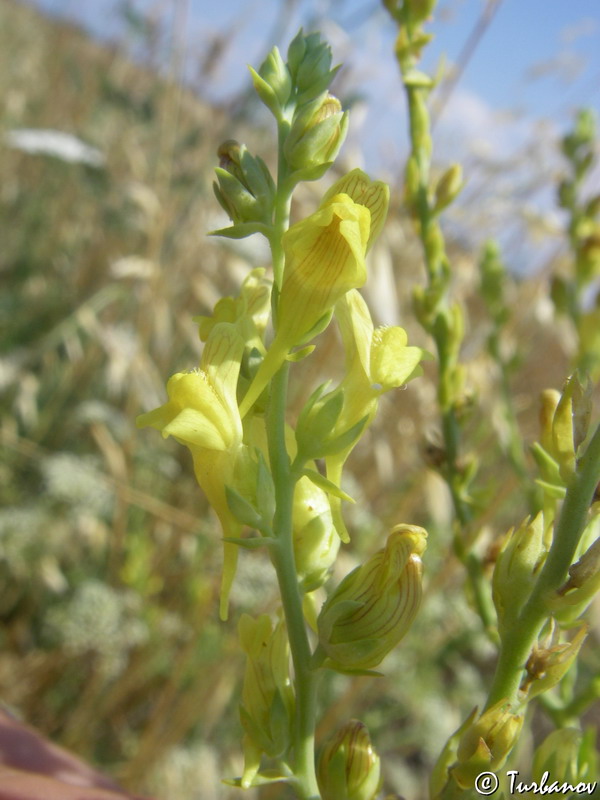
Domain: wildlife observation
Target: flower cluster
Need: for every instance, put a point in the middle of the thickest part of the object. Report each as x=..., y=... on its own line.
x=258, y=472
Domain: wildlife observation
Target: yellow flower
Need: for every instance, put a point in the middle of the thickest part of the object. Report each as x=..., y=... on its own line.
x=324, y=259
x=202, y=414
x=374, y=195
x=374, y=606
x=377, y=360
x=267, y=695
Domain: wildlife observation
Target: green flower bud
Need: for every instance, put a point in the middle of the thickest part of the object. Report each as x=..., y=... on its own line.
x=349, y=768
x=317, y=133
x=245, y=187
x=274, y=72
x=517, y=568
x=420, y=10
x=486, y=743
x=567, y=755
x=547, y=666
x=579, y=590
x=316, y=542
x=570, y=423
x=309, y=63
x=448, y=187
x=549, y=400
x=374, y=606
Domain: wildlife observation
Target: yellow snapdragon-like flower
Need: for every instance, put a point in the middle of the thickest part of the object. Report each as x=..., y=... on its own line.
x=251, y=310
x=202, y=413
x=374, y=606
x=267, y=694
x=377, y=360
x=324, y=259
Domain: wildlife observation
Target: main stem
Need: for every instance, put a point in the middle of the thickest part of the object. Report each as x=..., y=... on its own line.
x=519, y=641
x=283, y=557
x=282, y=549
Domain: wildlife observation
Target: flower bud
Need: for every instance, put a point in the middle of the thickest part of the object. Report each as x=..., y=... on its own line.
x=317, y=133
x=579, y=590
x=549, y=400
x=448, y=187
x=570, y=423
x=245, y=187
x=349, y=768
x=567, y=755
x=309, y=63
x=517, y=568
x=420, y=10
x=374, y=606
x=324, y=259
x=547, y=666
x=316, y=542
x=274, y=73
x=486, y=743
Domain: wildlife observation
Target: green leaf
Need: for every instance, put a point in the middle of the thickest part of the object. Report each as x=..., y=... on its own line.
x=300, y=354
x=328, y=486
x=344, y=440
x=241, y=509
x=251, y=543
x=241, y=230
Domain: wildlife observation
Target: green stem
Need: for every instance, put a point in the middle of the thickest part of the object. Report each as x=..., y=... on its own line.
x=519, y=641
x=437, y=270
x=282, y=552
x=282, y=549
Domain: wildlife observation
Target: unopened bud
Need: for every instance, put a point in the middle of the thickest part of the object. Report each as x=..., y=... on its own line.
x=549, y=400
x=420, y=10
x=276, y=74
x=317, y=133
x=567, y=755
x=448, y=187
x=517, y=568
x=309, y=62
x=486, y=743
x=245, y=187
x=570, y=423
x=374, y=606
x=349, y=768
x=316, y=542
x=547, y=666
x=574, y=596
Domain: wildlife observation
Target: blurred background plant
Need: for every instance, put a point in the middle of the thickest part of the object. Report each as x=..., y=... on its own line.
x=109, y=557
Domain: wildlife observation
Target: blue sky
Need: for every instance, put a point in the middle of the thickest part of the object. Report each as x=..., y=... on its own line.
x=538, y=58
x=536, y=64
